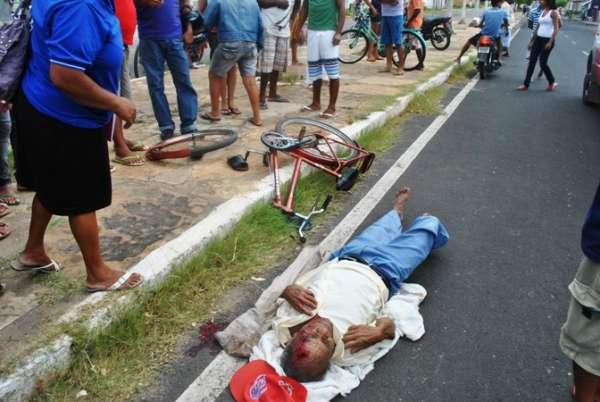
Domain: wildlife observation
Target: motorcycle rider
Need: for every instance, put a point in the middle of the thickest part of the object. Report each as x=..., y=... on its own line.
x=492, y=22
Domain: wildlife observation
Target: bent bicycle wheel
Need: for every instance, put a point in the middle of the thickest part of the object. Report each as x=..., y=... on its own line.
x=353, y=46
x=193, y=145
x=330, y=144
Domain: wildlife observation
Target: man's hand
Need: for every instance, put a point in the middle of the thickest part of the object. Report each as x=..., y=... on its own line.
x=374, y=11
x=549, y=45
x=359, y=337
x=125, y=109
x=337, y=38
x=5, y=106
x=301, y=299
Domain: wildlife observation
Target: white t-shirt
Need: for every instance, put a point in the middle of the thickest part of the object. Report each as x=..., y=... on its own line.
x=389, y=10
x=276, y=21
x=347, y=293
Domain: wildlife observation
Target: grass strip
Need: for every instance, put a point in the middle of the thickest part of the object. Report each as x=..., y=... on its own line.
x=120, y=361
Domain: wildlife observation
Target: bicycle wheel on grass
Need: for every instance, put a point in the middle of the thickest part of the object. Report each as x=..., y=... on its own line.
x=331, y=144
x=192, y=145
x=414, y=51
x=353, y=46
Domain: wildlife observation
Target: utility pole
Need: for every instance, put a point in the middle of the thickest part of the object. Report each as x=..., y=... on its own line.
x=450, y=5
x=463, y=13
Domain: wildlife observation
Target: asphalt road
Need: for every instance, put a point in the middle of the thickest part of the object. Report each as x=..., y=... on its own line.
x=511, y=175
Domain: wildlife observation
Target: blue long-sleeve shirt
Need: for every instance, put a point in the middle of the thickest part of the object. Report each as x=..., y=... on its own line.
x=236, y=20
x=590, y=237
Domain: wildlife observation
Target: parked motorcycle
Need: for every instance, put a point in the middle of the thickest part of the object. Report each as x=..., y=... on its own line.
x=487, y=56
x=438, y=31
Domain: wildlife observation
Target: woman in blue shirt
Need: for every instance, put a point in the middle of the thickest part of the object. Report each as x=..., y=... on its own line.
x=67, y=101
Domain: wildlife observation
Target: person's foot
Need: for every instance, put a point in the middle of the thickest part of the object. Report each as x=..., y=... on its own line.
x=263, y=105
x=34, y=258
x=329, y=113
x=385, y=70
x=458, y=60
x=166, y=134
x=7, y=196
x=108, y=277
x=522, y=88
x=399, y=72
x=371, y=59
x=311, y=108
x=135, y=146
x=401, y=199
x=4, y=230
x=551, y=87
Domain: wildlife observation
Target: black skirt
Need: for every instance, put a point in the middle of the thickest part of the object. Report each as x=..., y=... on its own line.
x=67, y=166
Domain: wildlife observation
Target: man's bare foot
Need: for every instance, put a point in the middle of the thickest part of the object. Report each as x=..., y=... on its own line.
x=385, y=70
x=106, y=277
x=401, y=199
x=34, y=258
x=311, y=108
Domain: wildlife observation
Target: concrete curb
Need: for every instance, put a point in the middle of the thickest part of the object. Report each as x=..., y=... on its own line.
x=159, y=262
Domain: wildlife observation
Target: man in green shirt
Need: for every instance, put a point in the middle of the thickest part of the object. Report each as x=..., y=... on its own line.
x=325, y=23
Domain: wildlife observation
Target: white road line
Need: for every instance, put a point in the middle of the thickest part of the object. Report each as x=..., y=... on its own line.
x=213, y=380
x=350, y=223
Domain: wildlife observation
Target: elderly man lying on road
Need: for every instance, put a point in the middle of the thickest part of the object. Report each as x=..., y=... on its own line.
x=336, y=310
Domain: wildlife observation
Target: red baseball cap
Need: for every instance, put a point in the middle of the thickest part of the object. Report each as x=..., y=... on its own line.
x=258, y=381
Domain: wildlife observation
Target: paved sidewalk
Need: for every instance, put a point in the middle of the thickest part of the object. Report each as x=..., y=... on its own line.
x=155, y=203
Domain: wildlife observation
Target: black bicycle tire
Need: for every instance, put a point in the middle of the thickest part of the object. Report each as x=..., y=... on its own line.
x=281, y=124
x=446, y=35
x=229, y=137
x=136, y=61
x=423, y=56
x=366, y=49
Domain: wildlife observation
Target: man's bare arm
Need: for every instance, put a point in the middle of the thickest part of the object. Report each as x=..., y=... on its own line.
x=359, y=337
x=301, y=20
x=414, y=15
x=341, y=21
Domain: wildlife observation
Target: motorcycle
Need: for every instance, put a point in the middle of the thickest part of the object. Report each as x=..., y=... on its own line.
x=438, y=31
x=487, y=56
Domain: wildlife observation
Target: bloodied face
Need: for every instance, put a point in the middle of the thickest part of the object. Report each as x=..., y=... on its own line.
x=307, y=356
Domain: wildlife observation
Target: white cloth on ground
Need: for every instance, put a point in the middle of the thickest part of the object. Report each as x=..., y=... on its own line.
x=403, y=308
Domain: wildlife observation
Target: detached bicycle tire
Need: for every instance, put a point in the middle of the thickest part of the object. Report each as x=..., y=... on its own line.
x=316, y=156
x=187, y=145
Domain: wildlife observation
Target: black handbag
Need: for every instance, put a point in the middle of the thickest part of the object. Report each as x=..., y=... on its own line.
x=14, y=50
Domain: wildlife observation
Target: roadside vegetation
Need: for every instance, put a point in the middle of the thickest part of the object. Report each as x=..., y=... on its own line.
x=121, y=360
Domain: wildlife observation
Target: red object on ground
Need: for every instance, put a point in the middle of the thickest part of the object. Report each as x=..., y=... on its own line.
x=258, y=381
x=125, y=12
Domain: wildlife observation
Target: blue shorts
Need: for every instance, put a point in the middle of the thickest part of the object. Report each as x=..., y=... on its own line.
x=391, y=30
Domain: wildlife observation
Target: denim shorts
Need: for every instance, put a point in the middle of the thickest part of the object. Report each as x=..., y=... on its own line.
x=391, y=30
x=227, y=54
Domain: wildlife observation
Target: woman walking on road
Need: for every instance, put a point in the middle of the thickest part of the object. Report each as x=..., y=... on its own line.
x=542, y=43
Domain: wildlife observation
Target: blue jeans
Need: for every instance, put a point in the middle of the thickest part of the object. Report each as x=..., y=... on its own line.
x=4, y=140
x=393, y=253
x=154, y=54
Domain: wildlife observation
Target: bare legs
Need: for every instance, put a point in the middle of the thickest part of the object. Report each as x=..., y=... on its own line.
x=334, y=90
x=253, y=95
x=228, y=91
x=85, y=229
x=587, y=386
x=268, y=80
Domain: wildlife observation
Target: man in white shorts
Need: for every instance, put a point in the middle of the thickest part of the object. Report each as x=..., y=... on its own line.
x=325, y=23
x=273, y=58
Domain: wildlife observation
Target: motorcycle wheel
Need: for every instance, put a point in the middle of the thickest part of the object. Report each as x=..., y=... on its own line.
x=440, y=38
x=482, y=70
